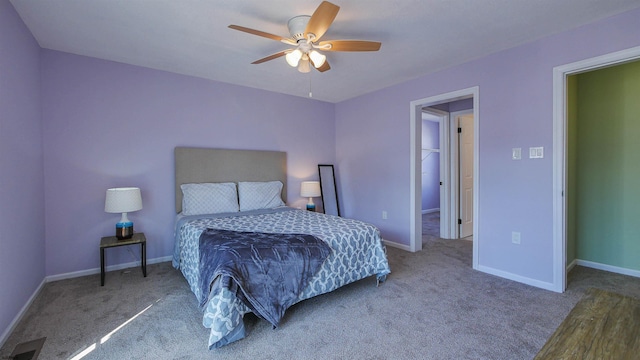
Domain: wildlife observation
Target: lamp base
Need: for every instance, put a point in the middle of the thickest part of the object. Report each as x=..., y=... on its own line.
x=124, y=230
x=311, y=207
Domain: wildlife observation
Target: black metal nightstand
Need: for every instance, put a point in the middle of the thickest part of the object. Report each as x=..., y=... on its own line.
x=112, y=241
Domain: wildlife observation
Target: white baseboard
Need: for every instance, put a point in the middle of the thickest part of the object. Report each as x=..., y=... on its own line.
x=93, y=271
x=521, y=279
x=572, y=265
x=428, y=211
x=396, y=245
x=609, y=268
x=18, y=317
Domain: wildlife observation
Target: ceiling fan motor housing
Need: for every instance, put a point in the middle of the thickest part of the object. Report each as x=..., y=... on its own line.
x=297, y=25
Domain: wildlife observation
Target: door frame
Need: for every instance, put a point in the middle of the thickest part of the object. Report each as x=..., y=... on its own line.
x=560, y=74
x=443, y=134
x=415, y=140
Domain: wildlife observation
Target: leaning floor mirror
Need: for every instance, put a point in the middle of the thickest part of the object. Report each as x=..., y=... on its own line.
x=328, y=190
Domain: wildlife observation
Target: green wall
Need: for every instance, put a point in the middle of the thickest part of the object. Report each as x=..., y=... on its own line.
x=604, y=211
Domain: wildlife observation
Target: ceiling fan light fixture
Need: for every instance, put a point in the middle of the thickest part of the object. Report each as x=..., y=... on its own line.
x=317, y=58
x=293, y=58
x=304, y=67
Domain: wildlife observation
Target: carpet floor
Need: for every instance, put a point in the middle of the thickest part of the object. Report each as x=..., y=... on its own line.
x=433, y=306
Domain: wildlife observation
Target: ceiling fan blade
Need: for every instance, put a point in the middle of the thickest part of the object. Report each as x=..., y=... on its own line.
x=350, y=45
x=271, y=57
x=321, y=19
x=260, y=33
x=324, y=67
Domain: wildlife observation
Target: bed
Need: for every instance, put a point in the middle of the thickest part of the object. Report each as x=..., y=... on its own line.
x=348, y=250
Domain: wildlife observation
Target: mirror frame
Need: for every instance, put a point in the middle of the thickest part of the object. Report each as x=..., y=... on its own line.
x=328, y=190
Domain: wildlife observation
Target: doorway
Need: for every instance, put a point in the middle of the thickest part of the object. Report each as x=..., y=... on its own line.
x=455, y=174
x=434, y=151
x=449, y=186
x=560, y=110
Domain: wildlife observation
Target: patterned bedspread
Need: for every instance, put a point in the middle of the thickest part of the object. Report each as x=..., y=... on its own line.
x=357, y=252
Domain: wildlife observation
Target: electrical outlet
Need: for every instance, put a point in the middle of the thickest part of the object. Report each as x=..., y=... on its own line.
x=515, y=237
x=384, y=214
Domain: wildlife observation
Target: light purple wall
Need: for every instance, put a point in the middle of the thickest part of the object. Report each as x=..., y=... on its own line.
x=372, y=144
x=453, y=106
x=108, y=124
x=430, y=165
x=22, y=253
x=459, y=105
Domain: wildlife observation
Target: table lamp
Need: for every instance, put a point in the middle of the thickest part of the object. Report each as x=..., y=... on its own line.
x=310, y=189
x=123, y=200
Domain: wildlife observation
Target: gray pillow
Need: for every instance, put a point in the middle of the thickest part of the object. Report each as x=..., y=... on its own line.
x=209, y=198
x=260, y=195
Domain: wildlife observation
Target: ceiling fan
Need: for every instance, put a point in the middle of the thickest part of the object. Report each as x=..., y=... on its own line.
x=306, y=32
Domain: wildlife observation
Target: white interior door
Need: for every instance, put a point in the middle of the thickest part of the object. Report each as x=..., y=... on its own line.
x=465, y=143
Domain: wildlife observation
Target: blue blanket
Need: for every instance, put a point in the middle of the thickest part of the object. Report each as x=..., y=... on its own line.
x=267, y=271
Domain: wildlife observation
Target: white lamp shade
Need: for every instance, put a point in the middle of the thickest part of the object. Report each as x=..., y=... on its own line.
x=310, y=189
x=123, y=200
x=304, y=66
x=293, y=57
x=317, y=58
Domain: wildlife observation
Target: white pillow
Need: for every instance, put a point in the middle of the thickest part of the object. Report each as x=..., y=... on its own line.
x=209, y=198
x=260, y=195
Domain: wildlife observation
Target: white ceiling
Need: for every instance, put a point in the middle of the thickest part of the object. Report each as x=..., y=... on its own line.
x=191, y=36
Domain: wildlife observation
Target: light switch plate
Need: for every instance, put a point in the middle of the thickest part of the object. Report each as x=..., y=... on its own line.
x=516, y=153
x=536, y=152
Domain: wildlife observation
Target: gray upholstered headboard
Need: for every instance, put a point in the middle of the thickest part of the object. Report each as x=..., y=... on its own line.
x=200, y=165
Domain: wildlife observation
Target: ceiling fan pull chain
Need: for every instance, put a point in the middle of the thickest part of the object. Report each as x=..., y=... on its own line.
x=310, y=93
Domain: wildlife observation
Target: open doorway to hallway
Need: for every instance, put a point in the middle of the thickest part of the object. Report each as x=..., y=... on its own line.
x=451, y=108
x=447, y=170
